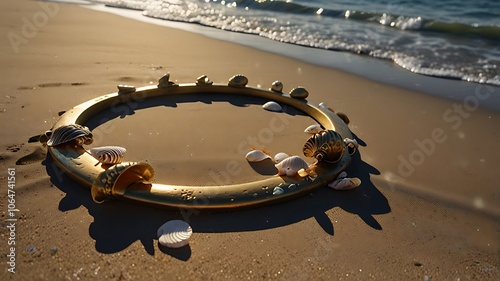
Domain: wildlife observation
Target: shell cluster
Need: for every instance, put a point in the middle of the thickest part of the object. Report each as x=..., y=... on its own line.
x=174, y=234
x=325, y=146
x=73, y=132
x=108, y=154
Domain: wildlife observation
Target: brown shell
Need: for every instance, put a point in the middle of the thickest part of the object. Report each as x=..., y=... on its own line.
x=299, y=93
x=238, y=81
x=325, y=146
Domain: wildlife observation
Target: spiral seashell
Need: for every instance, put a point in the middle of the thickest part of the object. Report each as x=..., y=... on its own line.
x=345, y=183
x=277, y=86
x=313, y=129
x=326, y=146
x=174, y=234
x=256, y=156
x=278, y=191
x=272, y=106
x=108, y=154
x=280, y=156
x=66, y=133
x=238, y=81
x=291, y=165
x=299, y=93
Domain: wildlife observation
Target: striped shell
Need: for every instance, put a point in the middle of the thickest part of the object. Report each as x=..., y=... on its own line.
x=326, y=146
x=174, y=234
x=291, y=166
x=66, y=133
x=108, y=154
x=272, y=106
x=345, y=183
x=256, y=156
x=313, y=129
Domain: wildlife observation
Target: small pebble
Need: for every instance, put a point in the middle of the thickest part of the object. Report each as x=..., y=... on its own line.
x=53, y=250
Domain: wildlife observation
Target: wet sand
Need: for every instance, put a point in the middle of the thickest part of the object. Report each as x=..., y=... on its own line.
x=428, y=206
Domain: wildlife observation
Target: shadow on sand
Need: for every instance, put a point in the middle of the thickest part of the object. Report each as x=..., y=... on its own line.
x=118, y=224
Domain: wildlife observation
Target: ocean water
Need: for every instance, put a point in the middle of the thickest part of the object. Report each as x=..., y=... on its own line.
x=455, y=39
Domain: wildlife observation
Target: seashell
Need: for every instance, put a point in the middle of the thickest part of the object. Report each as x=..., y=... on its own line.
x=203, y=80
x=272, y=106
x=278, y=191
x=125, y=89
x=174, y=234
x=323, y=105
x=345, y=183
x=343, y=117
x=291, y=165
x=326, y=146
x=66, y=133
x=238, y=81
x=299, y=93
x=164, y=81
x=256, y=156
x=108, y=154
x=352, y=145
x=313, y=129
x=277, y=86
x=280, y=156
x=342, y=175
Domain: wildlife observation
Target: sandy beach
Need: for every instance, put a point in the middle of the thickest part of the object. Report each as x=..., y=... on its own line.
x=428, y=207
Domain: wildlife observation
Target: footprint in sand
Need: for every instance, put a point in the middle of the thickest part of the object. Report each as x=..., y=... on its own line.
x=38, y=155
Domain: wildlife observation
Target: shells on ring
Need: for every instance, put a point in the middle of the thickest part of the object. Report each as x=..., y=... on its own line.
x=299, y=93
x=291, y=166
x=73, y=132
x=108, y=154
x=313, y=129
x=256, y=156
x=326, y=146
x=174, y=234
x=272, y=106
x=238, y=81
x=277, y=86
x=280, y=156
x=345, y=183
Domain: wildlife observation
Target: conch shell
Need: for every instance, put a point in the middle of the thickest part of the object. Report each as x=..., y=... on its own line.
x=291, y=166
x=80, y=134
x=325, y=146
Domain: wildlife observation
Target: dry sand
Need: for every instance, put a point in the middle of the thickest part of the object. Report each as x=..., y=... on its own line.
x=435, y=217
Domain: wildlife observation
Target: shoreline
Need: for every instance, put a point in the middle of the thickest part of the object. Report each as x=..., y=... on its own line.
x=378, y=70
x=427, y=207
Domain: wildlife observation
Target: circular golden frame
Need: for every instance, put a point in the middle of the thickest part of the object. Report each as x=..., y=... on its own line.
x=134, y=181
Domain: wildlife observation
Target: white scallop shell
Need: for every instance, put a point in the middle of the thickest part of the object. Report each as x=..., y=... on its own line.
x=68, y=133
x=345, y=183
x=256, y=156
x=280, y=156
x=108, y=154
x=272, y=106
x=174, y=234
x=291, y=165
x=313, y=129
x=278, y=191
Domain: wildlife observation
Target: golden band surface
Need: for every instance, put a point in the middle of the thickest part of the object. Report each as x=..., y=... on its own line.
x=134, y=181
